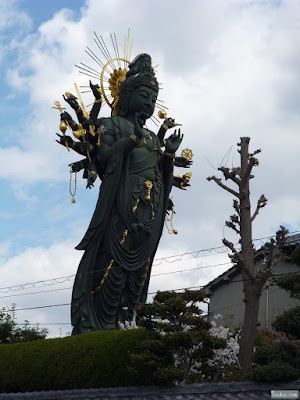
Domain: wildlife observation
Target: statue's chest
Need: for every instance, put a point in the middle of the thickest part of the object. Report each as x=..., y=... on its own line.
x=141, y=152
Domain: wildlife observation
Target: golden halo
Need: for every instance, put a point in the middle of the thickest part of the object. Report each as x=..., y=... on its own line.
x=116, y=78
x=112, y=71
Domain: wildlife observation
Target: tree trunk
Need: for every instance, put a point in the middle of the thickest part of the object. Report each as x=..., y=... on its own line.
x=241, y=223
x=249, y=328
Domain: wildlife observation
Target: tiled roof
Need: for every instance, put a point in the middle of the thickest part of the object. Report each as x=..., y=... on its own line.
x=216, y=391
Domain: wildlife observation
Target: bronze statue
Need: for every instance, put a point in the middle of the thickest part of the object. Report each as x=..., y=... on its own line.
x=137, y=177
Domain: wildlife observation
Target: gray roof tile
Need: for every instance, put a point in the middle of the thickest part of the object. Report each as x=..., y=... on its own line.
x=214, y=391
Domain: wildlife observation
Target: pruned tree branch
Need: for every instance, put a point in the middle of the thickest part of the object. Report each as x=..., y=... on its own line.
x=231, y=225
x=231, y=174
x=234, y=221
x=261, y=202
x=236, y=206
x=255, y=152
x=281, y=236
x=252, y=161
x=219, y=182
x=234, y=218
x=235, y=256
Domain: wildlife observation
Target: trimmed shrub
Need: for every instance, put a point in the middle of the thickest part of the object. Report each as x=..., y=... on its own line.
x=283, y=352
x=288, y=322
x=273, y=372
x=91, y=360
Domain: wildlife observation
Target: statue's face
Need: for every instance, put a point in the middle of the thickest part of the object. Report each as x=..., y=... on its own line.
x=142, y=101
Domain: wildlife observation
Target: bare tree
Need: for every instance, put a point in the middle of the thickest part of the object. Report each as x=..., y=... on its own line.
x=244, y=258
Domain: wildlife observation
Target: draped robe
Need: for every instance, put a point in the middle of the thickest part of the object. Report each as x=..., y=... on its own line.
x=123, y=235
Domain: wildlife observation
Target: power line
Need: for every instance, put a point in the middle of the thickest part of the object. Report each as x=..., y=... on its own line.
x=67, y=278
x=169, y=259
x=63, y=279
x=152, y=276
x=171, y=290
x=214, y=311
x=32, y=293
x=45, y=324
x=191, y=269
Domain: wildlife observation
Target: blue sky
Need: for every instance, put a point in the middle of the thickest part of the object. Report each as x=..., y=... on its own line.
x=229, y=69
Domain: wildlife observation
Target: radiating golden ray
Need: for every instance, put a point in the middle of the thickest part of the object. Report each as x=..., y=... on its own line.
x=88, y=91
x=153, y=120
x=96, y=59
x=99, y=44
x=115, y=49
x=161, y=107
x=108, y=67
x=102, y=104
x=129, y=56
x=92, y=69
x=103, y=48
x=156, y=119
x=94, y=55
x=127, y=47
x=107, y=51
x=90, y=72
x=124, y=51
x=91, y=76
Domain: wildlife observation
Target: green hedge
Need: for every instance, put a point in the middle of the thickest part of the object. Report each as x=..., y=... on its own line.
x=96, y=359
x=274, y=372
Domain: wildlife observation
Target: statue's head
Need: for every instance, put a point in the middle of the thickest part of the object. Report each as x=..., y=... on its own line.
x=138, y=92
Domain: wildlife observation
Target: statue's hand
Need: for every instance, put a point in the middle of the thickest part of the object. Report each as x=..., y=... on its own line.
x=72, y=102
x=76, y=166
x=96, y=91
x=182, y=181
x=169, y=122
x=173, y=142
x=182, y=162
x=170, y=206
x=90, y=180
x=85, y=147
x=138, y=127
x=63, y=140
x=66, y=117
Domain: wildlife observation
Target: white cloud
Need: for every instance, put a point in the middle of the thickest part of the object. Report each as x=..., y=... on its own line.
x=14, y=23
x=44, y=271
x=13, y=16
x=229, y=69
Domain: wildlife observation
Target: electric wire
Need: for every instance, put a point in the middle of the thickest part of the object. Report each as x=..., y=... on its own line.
x=168, y=259
x=209, y=312
x=170, y=290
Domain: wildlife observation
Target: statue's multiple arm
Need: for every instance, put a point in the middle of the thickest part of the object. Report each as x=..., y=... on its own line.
x=110, y=146
x=97, y=103
x=168, y=123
